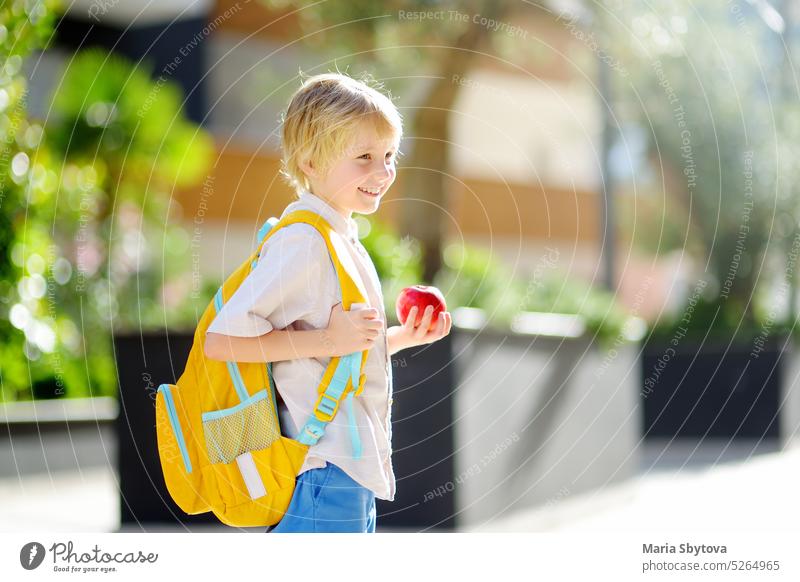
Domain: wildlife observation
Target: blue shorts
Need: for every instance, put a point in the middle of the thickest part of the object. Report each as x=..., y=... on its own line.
x=328, y=500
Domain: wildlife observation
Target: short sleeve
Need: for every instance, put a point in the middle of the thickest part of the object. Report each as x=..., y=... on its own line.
x=285, y=286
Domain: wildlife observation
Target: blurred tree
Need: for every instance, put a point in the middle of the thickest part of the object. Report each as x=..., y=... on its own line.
x=24, y=27
x=789, y=147
x=85, y=207
x=123, y=145
x=703, y=80
x=129, y=133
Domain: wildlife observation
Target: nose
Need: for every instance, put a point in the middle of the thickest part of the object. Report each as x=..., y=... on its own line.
x=385, y=171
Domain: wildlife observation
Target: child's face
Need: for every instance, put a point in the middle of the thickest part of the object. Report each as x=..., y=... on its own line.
x=368, y=164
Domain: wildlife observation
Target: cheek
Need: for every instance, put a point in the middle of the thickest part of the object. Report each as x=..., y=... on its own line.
x=357, y=178
x=350, y=177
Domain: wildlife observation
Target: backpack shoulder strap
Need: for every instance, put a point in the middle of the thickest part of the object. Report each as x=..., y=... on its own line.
x=351, y=291
x=344, y=377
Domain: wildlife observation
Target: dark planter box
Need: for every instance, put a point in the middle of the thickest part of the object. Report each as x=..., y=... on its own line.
x=422, y=438
x=143, y=362
x=713, y=391
x=421, y=418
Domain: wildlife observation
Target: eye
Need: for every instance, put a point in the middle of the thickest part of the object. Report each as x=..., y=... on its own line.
x=364, y=157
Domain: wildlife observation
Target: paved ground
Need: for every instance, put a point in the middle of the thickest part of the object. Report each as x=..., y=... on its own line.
x=60, y=502
x=710, y=488
x=681, y=488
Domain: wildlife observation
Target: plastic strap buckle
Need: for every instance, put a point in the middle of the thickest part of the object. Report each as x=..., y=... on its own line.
x=323, y=410
x=311, y=432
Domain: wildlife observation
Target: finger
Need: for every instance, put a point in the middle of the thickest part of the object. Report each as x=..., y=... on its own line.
x=427, y=317
x=422, y=330
x=411, y=318
x=370, y=328
x=370, y=313
x=449, y=321
x=438, y=331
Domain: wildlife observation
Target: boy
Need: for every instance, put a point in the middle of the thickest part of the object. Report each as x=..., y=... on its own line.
x=340, y=141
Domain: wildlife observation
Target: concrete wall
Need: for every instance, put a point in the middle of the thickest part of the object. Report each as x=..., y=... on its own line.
x=538, y=420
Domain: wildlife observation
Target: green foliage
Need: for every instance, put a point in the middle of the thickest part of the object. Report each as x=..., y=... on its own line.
x=397, y=261
x=24, y=27
x=654, y=224
x=380, y=33
x=705, y=86
x=96, y=244
x=708, y=315
x=473, y=278
x=558, y=293
x=109, y=109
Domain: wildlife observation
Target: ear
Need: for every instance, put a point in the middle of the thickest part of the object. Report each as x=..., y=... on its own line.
x=307, y=167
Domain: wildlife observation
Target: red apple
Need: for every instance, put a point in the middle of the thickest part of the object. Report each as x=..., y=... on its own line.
x=420, y=296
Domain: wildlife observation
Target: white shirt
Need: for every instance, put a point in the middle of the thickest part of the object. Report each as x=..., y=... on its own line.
x=294, y=285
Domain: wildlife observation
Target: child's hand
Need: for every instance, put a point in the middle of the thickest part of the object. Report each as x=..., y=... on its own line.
x=352, y=331
x=408, y=335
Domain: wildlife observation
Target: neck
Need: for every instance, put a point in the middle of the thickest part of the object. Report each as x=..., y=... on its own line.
x=347, y=214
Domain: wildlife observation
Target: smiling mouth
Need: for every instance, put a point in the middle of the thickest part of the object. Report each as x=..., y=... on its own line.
x=374, y=192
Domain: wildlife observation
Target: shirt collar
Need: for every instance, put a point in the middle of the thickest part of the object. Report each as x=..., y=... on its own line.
x=344, y=226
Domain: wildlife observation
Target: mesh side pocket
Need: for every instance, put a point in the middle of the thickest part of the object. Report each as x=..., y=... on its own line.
x=247, y=427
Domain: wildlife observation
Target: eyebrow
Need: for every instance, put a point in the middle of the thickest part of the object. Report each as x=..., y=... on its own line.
x=366, y=147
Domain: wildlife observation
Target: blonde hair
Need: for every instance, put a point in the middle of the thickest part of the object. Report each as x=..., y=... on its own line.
x=322, y=118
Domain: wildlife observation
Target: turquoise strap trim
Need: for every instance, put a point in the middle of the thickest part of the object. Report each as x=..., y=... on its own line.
x=176, y=425
x=241, y=391
x=347, y=369
x=355, y=375
x=217, y=414
x=272, y=389
x=355, y=369
x=312, y=431
x=218, y=300
x=269, y=377
x=338, y=383
x=262, y=233
x=233, y=368
x=355, y=439
x=266, y=227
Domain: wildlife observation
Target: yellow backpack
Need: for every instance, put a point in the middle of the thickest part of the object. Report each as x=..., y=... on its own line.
x=218, y=430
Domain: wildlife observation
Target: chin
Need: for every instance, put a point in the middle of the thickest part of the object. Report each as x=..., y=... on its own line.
x=368, y=209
